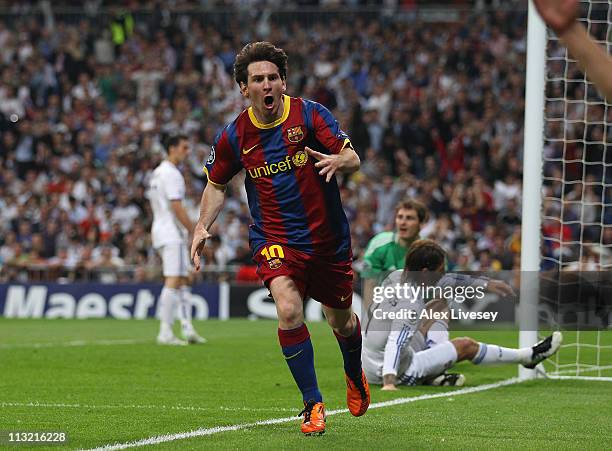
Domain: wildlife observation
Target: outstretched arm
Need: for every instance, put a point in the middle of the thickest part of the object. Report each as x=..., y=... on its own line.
x=560, y=15
x=210, y=206
x=496, y=286
x=592, y=59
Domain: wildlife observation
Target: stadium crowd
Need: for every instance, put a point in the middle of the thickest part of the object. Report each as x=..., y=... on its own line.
x=436, y=114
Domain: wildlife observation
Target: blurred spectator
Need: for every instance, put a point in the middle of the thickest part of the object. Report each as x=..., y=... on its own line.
x=435, y=111
x=124, y=213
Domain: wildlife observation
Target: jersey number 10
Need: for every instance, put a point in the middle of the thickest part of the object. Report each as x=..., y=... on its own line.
x=274, y=251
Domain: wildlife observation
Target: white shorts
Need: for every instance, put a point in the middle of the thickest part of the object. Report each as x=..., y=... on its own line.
x=175, y=259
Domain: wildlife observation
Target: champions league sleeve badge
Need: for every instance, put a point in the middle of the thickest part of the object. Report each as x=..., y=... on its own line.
x=211, y=157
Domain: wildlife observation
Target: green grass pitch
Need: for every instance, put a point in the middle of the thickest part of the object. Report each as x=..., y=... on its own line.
x=104, y=393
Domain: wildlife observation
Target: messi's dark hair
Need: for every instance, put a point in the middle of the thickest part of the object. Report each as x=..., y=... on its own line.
x=259, y=51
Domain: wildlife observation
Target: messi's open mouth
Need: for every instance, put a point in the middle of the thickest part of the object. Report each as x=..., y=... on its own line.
x=268, y=101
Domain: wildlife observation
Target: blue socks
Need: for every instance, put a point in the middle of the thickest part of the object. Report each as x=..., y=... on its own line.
x=351, y=352
x=298, y=352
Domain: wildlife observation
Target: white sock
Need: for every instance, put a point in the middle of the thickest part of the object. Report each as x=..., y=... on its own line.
x=431, y=362
x=184, y=308
x=490, y=354
x=437, y=333
x=167, y=299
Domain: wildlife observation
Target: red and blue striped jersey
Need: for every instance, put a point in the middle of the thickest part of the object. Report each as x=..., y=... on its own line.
x=290, y=202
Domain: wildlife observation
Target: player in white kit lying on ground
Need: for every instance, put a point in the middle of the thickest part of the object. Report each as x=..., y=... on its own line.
x=408, y=350
x=169, y=233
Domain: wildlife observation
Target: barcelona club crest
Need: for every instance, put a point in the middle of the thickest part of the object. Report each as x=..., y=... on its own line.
x=300, y=158
x=295, y=134
x=275, y=263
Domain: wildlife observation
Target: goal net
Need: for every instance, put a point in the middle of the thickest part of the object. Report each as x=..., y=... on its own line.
x=576, y=208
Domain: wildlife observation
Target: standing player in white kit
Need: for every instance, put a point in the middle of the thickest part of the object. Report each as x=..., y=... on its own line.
x=169, y=233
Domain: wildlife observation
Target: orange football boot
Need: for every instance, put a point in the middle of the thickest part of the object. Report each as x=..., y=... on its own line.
x=357, y=395
x=314, y=418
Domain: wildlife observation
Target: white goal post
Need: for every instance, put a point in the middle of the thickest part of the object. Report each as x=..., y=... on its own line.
x=532, y=180
x=567, y=187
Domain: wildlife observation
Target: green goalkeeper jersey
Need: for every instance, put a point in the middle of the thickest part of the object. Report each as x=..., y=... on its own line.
x=384, y=254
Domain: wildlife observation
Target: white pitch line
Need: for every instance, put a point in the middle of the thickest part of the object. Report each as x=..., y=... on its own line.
x=136, y=406
x=215, y=430
x=74, y=343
